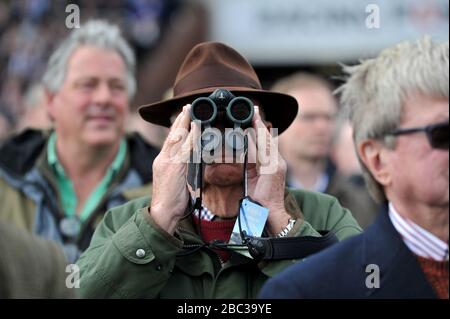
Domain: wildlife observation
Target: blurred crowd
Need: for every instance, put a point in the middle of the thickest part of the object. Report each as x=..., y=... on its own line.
x=30, y=31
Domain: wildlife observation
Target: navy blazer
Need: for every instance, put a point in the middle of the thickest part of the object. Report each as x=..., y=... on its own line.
x=340, y=271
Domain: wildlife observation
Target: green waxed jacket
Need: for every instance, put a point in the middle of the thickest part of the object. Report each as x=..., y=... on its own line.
x=130, y=256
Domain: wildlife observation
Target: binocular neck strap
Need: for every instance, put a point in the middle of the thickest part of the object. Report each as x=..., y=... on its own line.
x=245, y=186
x=245, y=166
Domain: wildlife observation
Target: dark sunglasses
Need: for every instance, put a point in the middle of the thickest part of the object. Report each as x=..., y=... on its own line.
x=437, y=134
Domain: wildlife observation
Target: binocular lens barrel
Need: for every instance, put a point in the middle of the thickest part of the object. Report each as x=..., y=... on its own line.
x=203, y=110
x=234, y=112
x=240, y=110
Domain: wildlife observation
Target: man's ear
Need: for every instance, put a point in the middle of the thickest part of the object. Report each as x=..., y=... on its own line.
x=374, y=155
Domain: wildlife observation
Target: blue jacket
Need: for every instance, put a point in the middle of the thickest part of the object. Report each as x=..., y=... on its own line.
x=342, y=270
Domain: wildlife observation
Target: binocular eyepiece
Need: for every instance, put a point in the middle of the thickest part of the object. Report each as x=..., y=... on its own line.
x=234, y=113
x=239, y=110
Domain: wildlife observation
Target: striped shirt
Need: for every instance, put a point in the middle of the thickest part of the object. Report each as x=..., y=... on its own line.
x=420, y=241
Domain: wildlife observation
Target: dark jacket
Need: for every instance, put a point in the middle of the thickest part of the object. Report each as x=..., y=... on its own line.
x=342, y=270
x=31, y=267
x=130, y=256
x=29, y=196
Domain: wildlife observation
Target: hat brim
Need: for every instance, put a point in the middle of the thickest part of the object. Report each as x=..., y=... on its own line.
x=280, y=109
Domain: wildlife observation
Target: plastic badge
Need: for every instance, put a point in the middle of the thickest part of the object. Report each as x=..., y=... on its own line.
x=253, y=219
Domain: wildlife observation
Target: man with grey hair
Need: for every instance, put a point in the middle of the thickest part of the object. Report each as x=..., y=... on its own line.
x=399, y=109
x=59, y=183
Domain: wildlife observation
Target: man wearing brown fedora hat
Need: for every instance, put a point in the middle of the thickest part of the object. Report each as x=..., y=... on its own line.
x=156, y=249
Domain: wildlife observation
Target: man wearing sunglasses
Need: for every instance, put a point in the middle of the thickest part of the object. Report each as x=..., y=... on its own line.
x=399, y=108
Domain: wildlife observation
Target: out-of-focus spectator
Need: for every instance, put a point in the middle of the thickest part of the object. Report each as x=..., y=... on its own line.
x=343, y=149
x=35, y=110
x=31, y=267
x=306, y=144
x=59, y=184
x=343, y=156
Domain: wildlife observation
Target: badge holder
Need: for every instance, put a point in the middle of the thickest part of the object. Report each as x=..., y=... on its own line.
x=251, y=219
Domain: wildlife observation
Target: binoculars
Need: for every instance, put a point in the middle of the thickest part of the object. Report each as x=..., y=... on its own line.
x=222, y=107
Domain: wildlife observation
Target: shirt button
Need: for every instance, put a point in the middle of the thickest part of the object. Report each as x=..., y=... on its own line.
x=140, y=253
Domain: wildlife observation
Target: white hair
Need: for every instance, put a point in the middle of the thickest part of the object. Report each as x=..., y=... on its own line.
x=97, y=33
x=377, y=89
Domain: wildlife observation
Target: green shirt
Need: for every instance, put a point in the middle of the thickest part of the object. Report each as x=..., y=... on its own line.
x=66, y=190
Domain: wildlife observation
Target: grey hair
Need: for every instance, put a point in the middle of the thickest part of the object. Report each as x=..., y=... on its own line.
x=376, y=90
x=97, y=33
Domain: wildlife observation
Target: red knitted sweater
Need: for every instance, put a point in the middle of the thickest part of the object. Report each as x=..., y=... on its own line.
x=436, y=273
x=217, y=230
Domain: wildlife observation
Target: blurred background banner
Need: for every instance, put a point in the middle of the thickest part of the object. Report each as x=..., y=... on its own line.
x=321, y=31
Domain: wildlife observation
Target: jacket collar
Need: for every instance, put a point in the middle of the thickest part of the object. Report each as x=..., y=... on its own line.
x=20, y=152
x=383, y=246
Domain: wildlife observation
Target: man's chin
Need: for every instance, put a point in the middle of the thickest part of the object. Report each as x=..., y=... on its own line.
x=102, y=138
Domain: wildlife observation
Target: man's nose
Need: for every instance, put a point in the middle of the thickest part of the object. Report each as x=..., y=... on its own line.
x=102, y=95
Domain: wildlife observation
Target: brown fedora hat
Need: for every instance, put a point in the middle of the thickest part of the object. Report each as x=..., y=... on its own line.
x=212, y=65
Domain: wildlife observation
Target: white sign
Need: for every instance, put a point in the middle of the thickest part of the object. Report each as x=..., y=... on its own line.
x=322, y=31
